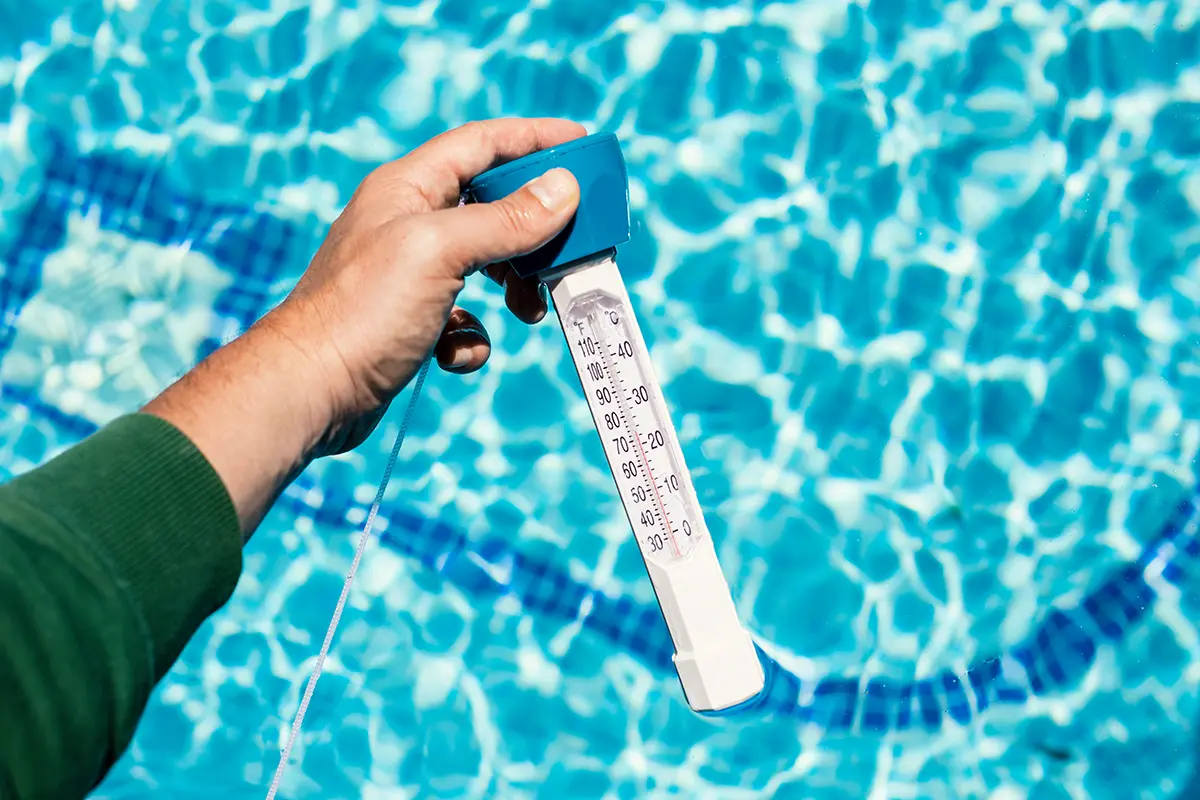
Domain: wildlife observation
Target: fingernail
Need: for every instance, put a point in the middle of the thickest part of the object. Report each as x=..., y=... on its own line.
x=544, y=294
x=477, y=332
x=554, y=189
x=461, y=356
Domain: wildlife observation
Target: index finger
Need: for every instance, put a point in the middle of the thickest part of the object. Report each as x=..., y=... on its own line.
x=442, y=167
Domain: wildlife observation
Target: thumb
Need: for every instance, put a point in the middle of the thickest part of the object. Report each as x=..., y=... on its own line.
x=478, y=234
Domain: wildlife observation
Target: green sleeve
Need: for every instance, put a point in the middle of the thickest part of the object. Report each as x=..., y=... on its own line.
x=111, y=556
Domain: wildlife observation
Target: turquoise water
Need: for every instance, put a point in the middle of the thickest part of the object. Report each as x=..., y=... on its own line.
x=921, y=281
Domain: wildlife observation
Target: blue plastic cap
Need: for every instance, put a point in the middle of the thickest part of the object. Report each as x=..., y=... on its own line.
x=602, y=221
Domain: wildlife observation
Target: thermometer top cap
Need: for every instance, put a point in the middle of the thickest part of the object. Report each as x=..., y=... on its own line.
x=602, y=220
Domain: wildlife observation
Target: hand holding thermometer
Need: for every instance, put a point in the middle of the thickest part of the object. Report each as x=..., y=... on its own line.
x=715, y=657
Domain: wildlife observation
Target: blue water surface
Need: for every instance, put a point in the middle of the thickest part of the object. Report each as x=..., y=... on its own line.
x=921, y=281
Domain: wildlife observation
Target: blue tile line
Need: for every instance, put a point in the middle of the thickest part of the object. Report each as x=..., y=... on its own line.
x=129, y=196
x=1058, y=652
x=1055, y=655
x=132, y=198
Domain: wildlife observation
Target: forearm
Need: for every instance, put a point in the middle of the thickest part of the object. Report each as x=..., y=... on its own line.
x=256, y=409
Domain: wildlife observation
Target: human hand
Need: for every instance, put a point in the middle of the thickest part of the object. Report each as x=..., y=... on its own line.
x=314, y=376
x=381, y=290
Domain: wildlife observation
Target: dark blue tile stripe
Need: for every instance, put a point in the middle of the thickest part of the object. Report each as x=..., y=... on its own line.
x=130, y=198
x=42, y=232
x=1053, y=657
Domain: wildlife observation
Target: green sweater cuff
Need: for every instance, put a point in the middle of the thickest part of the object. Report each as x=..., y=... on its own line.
x=150, y=505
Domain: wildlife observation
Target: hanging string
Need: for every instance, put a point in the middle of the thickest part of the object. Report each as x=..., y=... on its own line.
x=341, y=603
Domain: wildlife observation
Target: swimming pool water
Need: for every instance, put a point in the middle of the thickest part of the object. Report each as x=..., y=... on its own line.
x=921, y=280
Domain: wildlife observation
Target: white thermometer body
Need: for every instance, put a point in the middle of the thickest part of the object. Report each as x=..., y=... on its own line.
x=716, y=659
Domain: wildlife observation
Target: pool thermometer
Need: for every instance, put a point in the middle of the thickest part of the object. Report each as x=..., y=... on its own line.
x=715, y=657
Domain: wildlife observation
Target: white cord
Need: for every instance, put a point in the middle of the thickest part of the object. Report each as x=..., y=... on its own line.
x=341, y=603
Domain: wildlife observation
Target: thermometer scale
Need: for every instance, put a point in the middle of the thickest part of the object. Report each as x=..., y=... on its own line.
x=715, y=657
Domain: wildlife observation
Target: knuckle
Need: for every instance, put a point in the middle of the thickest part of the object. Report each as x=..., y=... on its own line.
x=480, y=131
x=513, y=215
x=391, y=185
x=374, y=181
